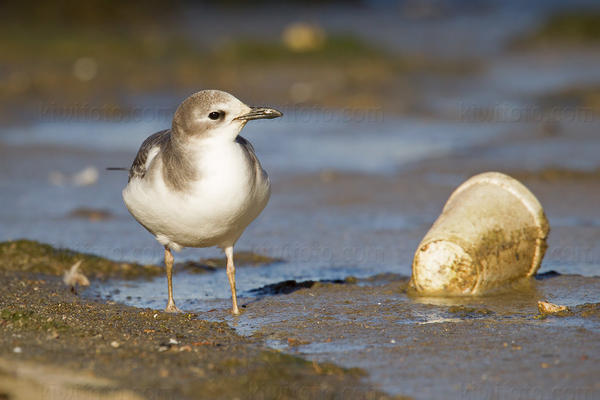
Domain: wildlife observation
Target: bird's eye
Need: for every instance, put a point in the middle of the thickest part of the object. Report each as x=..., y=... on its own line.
x=214, y=115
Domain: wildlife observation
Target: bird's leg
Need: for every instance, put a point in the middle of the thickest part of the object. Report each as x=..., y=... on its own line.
x=231, y=276
x=169, y=264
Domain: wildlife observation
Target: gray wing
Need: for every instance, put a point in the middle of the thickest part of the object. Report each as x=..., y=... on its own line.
x=248, y=148
x=250, y=154
x=138, y=168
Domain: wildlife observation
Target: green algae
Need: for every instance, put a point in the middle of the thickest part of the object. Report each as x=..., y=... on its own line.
x=32, y=256
x=340, y=47
x=581, y=99
x=469, y=312
x=18, y=319
x=580, y=27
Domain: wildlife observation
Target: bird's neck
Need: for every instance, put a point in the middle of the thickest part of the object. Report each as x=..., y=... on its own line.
x=178, y=167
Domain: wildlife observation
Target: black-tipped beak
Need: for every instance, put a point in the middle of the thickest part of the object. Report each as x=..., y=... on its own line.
x=260, y=113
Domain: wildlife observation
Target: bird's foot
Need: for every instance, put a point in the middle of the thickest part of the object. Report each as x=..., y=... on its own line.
x=172, y=308
x=235, y=311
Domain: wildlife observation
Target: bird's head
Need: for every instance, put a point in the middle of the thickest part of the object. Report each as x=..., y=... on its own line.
x=216, y=114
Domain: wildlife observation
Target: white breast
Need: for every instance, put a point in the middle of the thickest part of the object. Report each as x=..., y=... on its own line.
x=214, y=210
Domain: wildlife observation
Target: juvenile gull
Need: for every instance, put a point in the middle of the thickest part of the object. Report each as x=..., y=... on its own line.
x=200, y=184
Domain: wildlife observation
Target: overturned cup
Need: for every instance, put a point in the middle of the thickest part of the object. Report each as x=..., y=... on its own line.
x=492, y=231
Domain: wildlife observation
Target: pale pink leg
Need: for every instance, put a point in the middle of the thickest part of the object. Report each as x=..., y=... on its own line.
x=171, y=307
x=231, y=276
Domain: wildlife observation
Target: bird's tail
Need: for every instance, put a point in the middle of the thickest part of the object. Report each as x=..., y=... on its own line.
x=117, y=169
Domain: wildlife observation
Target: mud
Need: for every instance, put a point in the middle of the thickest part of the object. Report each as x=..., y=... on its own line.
x=556, y=174
x=483, y=347
x=338, y=337
x=91, y=214
x=566, y=28
x=32, y=256
x=145, y=353
x=290, y=286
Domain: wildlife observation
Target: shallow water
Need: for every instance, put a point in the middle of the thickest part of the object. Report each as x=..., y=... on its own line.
x=300, y=142
x=319, y=235
x=425, y=347
x=284, y=147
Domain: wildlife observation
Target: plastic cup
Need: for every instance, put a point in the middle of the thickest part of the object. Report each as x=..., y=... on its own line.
x=492, y=231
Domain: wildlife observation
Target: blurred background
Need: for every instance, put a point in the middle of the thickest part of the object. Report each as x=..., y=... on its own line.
x=388, y=105
x=403, y=57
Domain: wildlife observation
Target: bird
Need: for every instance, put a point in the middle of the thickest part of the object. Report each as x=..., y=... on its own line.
x=200, y=184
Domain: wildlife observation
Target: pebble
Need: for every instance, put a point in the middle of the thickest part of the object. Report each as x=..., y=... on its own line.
x=52, y=335
x=114, y=344
x=545, y=307
x=17, y=350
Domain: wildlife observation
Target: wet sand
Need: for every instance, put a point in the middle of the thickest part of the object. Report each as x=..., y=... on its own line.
x=62, y=346
x=485, y=347
x=284, y=343
x=495, y=347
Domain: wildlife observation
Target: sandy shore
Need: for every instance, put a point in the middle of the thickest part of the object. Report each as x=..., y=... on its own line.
x=57, y=344
x=381, y=340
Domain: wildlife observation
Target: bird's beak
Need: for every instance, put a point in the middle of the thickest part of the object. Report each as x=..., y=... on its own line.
x=260, y=113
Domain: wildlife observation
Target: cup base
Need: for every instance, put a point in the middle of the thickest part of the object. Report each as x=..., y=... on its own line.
x=444, y=267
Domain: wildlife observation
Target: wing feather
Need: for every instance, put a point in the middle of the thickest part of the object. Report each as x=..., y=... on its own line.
x=249, y=149
x=147, y=152
x=251, y=156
